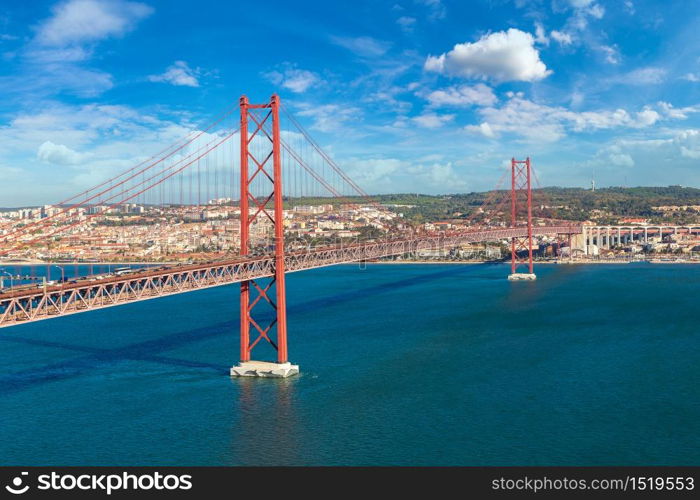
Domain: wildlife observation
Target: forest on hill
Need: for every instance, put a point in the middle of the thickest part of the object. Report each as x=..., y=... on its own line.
x=606, y=205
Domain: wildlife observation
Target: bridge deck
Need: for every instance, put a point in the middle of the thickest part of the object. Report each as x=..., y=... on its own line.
x=34, y=304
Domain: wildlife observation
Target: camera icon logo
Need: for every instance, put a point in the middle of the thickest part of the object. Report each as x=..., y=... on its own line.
x=16, y=487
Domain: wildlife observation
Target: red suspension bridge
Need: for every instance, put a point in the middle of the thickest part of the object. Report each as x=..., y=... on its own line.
x=272, y=147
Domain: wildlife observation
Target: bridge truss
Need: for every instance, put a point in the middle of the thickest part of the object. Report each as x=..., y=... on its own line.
x=266, y=154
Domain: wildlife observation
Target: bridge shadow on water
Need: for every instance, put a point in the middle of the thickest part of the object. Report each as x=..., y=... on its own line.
x=150, y=350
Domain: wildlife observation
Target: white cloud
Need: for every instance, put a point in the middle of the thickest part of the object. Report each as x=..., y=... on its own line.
x=296, y=80
x=54, y=78
x=58, y=154
x=668, y=111
x=561, y=37
x=541, y=34
x=391, y=175
x=691, y=77
x=577, y=31
x=406, y=23
x=542, y=123
x=78, y=21
x=54, y=60
x=621, y=160
x=646, y=117
x=369, y=171
x=611, y=53
x=328, y=117
x=659, y=157
x=91, y=142
x=363, y=46
x=501, y=56
x=688, y=142
x=436, y=8
x=596, y=11
x=432, y=120
x=589, y=7
x=577, y=98
x=463, y=95
x=611, y=155
x=642, y=76
x=482, y=129
x=179, y=73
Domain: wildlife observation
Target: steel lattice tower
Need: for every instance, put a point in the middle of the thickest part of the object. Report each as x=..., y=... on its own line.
x=521, y=204
x=263, y=128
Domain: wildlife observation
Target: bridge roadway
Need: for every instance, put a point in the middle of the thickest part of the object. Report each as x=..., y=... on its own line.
x=39, y=302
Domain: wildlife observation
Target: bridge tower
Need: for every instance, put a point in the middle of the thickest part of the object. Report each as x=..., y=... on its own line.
x=521, y=203
x=261, y=198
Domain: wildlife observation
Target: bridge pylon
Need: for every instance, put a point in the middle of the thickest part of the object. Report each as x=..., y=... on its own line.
x=261, y=198
x=521, y=203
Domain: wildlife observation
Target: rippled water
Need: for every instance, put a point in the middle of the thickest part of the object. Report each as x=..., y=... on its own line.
x=419, y=364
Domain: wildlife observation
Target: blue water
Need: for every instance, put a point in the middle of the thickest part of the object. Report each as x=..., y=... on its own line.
x=419, y=364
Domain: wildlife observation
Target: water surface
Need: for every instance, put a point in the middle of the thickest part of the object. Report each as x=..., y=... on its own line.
x=401, y=364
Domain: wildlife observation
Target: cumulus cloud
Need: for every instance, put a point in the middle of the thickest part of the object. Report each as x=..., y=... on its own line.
x=621, y=160
x=58, y=154
x=659, y=157
x=78, y=21
x=296, y=80
x=669, y=111
x=462, y=96
x=542, y=123
x=481, y=129
x=370, y=171
x=501, y=56
x=179, y=73
x=688, y=142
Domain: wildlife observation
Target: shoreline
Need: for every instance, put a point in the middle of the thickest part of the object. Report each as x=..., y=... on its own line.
x=71, y=263
x=537, y=263
x=392, y=262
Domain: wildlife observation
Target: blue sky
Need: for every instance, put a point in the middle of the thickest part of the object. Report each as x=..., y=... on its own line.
x=432, y=96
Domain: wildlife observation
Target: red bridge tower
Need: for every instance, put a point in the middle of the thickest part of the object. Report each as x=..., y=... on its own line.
x=260, y=124
x=521, y=205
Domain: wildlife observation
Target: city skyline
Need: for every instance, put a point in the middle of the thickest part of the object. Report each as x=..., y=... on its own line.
x=423, y=96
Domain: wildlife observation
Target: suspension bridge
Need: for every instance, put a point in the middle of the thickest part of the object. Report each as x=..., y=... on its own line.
x=273, y=160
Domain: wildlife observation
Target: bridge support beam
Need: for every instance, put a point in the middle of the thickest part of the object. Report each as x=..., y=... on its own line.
x=261, y=151
x=521, y=200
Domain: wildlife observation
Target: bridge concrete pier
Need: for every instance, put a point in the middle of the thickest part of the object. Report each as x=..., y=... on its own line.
x=522, y=277
x=264, y=369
